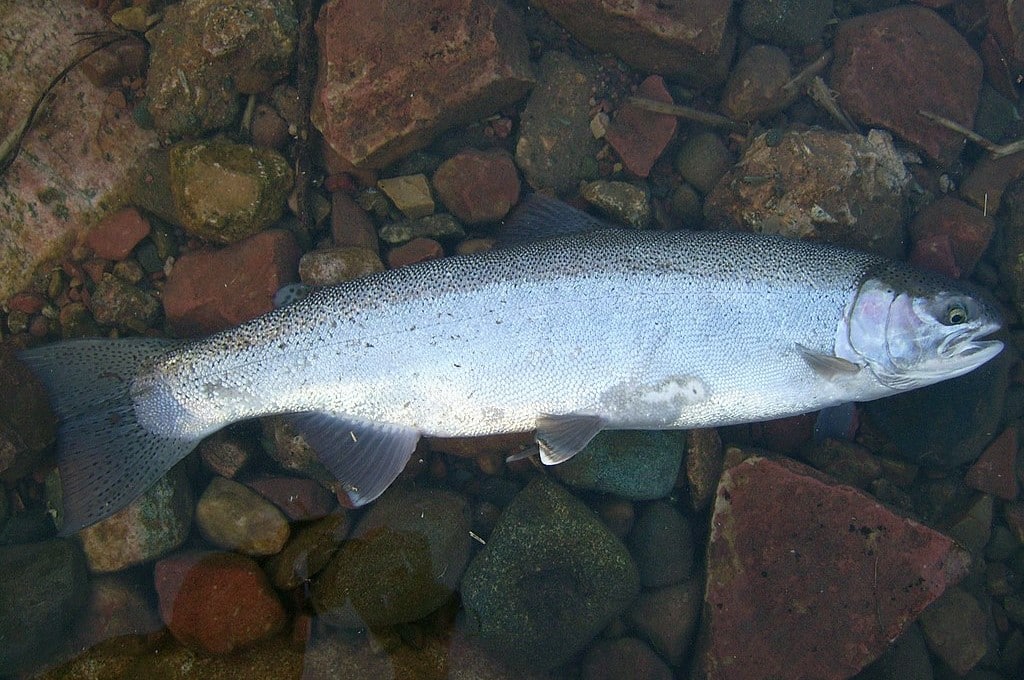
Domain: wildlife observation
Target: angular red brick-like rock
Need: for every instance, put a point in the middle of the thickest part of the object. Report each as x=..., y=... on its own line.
x=216, y=602
x=116, y=234
x=692, y=40
x=394, y=73
x=211, y=290
x=417, y=250
x=807, y=574
x=639, y=136
x=995, y=472
x=967, y=229
x=299, y=498
x=478, y=186
x=890, y=65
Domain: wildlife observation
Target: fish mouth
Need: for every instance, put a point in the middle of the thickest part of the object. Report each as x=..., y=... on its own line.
x=971, y=344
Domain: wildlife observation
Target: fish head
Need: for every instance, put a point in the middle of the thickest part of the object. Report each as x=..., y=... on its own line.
x=915, y=329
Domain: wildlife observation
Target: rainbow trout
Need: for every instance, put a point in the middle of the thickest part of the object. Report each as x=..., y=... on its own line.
x=565, y=336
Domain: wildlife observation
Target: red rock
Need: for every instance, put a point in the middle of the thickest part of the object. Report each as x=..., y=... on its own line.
x=216, y=602
x=935, y=253
x=350, y=225
x=117, y=234
x=640, y=136
x=807, y=574
x=478, y=186
x=26, y=303
x=417, y=250
x=967, y=229
x=1013, y=513
x=299, y=498
x=690, y=40
x=211, y=290
x=1003, y=47
x=988, y=179
x=927, y=66
x=995, y=472
x=393, y=74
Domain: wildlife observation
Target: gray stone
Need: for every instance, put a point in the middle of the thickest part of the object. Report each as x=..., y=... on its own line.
x=955, y=630
x=123, y=306
x=549, y=579
x=403, y=560
x=635, y=464
x=620, y=202
x=662, y=545
x=667, y=618
x=702, y=160
x=786, y=22
x=440, y=226
x=44, y=585
x=556, y=149
x=333, y=265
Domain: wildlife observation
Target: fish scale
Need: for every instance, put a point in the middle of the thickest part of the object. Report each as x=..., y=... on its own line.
x=567, y=336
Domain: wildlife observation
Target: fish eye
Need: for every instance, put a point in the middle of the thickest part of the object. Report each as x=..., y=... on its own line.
x=955, y=315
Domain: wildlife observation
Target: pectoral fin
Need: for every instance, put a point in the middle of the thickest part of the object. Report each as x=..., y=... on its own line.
x=562, y=437
x=365, y=457
x=827, y=365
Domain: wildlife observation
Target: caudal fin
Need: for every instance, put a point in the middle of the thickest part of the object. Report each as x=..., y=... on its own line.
x=106, y=457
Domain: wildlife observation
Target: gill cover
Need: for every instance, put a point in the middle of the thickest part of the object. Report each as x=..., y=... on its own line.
x=918, y=337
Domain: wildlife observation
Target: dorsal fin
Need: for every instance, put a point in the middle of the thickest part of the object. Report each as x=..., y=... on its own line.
x=540, y=217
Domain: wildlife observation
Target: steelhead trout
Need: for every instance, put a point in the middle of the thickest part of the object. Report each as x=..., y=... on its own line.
x=565, y=336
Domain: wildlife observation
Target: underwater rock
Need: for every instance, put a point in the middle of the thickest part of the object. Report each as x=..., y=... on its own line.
x=402, y=561
x=662, y=546
x=153, y=524
x=621, y=202
x=819, y=184
x=702, y=160
x=117, y=234
x=549, y=579
x=795, y=559
x=964, y=229
x=125, y=307
x=226, y=192
x=395, y=74
x=692, y=41
x=216, y=602
x=309, y=551
x=634, y=464
x=625, y=657
x=417, y=250
x=234, y=517
x=334, y=265
x=928, y=66
x=556, y=149
x=954, y=628
x=208, y=291
x=756, y=85
x=787, y=23
x=478, y=186
x=640, y=136
x=667, y=617
x=205, y=53
x=44, y=586
x=27, y=425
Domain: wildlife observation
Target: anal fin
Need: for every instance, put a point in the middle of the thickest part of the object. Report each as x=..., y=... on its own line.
x=364, y=456
x=562, y=437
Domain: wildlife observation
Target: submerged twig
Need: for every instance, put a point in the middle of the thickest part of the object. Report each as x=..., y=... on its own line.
x=11, y=144
x=688, y=113
x=821, y=95
x=807, y=73
x=997, y=150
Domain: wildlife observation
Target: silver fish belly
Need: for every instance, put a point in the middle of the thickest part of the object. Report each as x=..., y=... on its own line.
x=567, y=336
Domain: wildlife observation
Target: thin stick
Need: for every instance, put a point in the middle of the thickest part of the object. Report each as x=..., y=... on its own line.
x=687, y=113
x=997, y=150
x=810, y=71
x=821, y=95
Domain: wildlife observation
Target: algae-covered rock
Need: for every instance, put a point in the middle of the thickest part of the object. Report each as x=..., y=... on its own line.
x=635, y=464
x=207, y=52
x=550, y=578
x=225, y=192
x=403, y=561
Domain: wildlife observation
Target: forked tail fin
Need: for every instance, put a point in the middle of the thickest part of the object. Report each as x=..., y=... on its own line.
x=106, y=457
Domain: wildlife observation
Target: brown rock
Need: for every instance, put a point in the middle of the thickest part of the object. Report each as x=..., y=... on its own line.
x=350, y=225
x=818, y=184
x=27, y=425
x=967, y=229
x=704, y=458
x=334, y=265
x=394, y=74
x=691, y=40
x=76, y=158
x=1003, y=46
x=640, y=136
x=927, y=66
x=478, y=186
x=804, y=573
x=995, y=472
x=216, y=602
x=298, y=498
x=26, y=303
x=416, y=250
x=117, y=234
x=755, y=85
x=988, y=179
x=955, y=630
x=211, y=290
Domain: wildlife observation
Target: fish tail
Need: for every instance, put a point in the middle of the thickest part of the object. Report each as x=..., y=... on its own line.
x=105, y=456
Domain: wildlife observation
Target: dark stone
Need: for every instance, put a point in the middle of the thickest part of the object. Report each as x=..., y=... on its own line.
x=549, y=579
